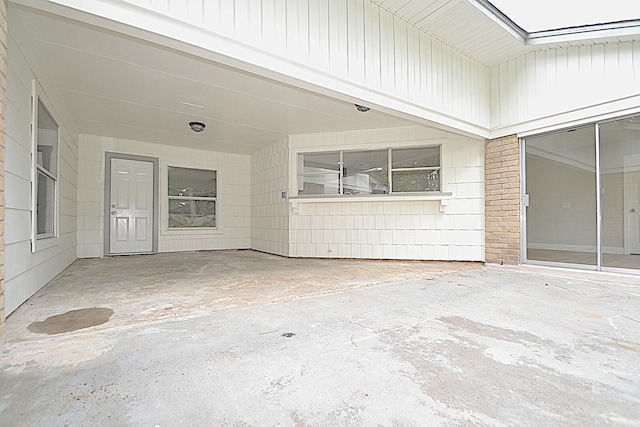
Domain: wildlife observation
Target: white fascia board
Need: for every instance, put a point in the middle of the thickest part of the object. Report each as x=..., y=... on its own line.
x=163, y=30
x=493, y=13
x=595, y=113
x=588, y=32
x=560, y=35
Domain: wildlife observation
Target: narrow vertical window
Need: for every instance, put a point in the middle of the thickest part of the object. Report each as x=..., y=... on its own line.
x=45, y=177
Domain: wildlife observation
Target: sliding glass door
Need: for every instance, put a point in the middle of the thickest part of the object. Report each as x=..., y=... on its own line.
x=561, y=188
x=620, y=172
x=582, y=196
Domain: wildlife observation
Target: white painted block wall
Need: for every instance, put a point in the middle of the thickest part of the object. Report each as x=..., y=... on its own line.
x=233, y=195
x=389, y=229
x=269, y=211
x=26, y=272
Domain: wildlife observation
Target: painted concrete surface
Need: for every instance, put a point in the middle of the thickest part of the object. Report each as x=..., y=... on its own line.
x=272, y=341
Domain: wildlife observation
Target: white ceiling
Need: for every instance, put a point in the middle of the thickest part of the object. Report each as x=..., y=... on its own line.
x=121, y=87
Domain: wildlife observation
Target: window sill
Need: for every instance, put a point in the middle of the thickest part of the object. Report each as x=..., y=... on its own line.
x=190, y=231
x=443, y=198
x=44, y=242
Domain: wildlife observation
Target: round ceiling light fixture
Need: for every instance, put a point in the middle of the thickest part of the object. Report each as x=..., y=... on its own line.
x=197, y=126
x=362, y=108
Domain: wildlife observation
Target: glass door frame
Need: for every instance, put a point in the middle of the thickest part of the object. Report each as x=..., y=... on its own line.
x=524, y=203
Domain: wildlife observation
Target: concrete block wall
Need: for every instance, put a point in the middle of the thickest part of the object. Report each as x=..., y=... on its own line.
x=502, y=200
x=269, y=210
x=233, y=204
x=418, y=228
x=3, y=129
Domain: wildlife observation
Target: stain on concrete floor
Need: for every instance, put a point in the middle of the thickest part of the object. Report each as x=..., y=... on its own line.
x=70, y=321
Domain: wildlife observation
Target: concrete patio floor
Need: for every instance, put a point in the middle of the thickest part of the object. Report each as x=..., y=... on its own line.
x=249, y=339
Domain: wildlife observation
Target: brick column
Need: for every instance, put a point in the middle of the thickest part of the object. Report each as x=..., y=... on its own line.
x=502, y=200
x=3, y=130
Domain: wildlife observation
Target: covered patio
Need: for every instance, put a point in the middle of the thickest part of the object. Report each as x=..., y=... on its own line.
x=247, y=338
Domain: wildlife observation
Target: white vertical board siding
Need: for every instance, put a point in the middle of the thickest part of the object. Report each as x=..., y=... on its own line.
x=269, y=210
x=392, y=229
x=354, y=41
x=232, y=206
x=27, y=272
x=563, y=84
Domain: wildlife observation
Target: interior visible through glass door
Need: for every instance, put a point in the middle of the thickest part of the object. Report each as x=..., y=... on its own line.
x=620, y=193
x=561, y=186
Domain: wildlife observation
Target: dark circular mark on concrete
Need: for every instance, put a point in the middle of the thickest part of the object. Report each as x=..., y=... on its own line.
x=288, y=334
x=72, y=321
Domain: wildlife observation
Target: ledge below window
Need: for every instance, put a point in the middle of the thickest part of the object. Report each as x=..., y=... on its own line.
x=443, y=198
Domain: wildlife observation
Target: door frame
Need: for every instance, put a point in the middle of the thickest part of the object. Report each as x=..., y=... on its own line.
x=107, y=197
x=628, y=166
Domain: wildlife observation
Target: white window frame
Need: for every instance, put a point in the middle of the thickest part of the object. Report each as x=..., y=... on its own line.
x=300, y=175
x=187, y=198
x=36, y=99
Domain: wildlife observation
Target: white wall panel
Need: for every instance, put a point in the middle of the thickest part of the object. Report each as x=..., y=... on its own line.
x=27, y=272
x=269, y=210
x=556, y=86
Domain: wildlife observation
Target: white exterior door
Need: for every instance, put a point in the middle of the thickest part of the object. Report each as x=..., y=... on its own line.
x=131, y=210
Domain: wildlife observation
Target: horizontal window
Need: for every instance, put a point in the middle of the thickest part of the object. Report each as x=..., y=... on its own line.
x=192, y=198
x=370, y=172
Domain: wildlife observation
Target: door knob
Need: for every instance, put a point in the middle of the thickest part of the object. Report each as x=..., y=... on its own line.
x=113, y=212
x=633, y=210
x=113, y=206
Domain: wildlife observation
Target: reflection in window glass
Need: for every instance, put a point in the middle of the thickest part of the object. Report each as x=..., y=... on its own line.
x=46, y=205
x=418, y=180
x=366, y=172
x=46, y=159
x=47, y=140
x=192, y=182
x=192, y=213
x=424, y=157
x=320, y=173
x=416, y=169
x=192, y=198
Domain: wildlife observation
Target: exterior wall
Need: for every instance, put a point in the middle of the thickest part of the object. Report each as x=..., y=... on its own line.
x=3, y=129
x=269, y=211
x=351, y=47
x=233, y=206
x=502, y=200
x=419, y=228
x=26, y=272
x=558, y=86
